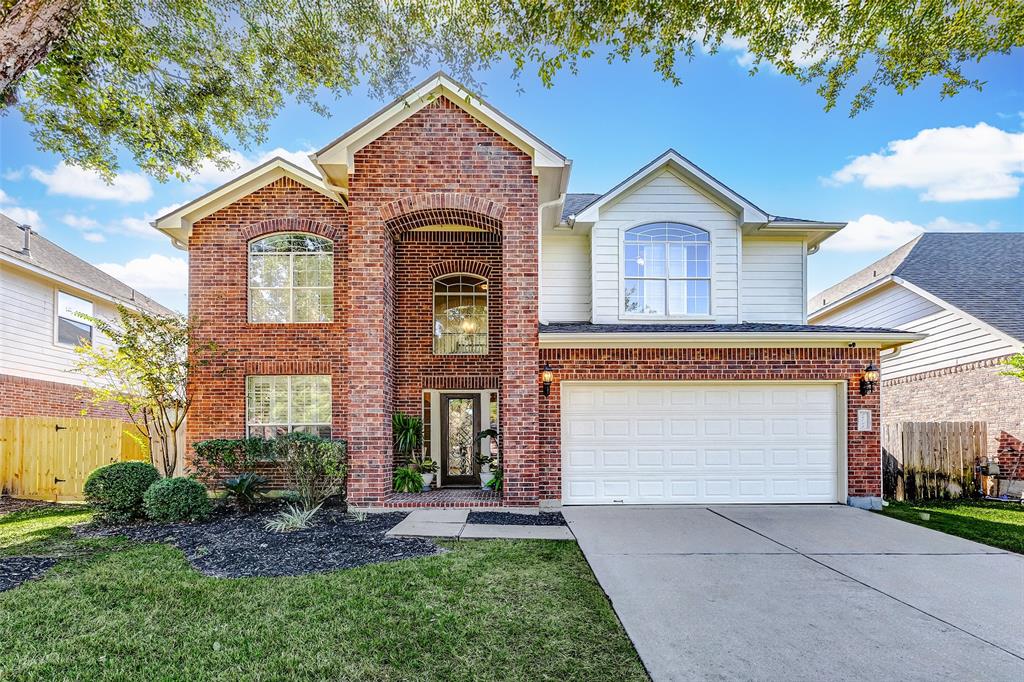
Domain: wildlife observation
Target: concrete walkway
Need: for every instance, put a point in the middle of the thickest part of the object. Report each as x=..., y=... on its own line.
x=804, y=593
x=452, y=523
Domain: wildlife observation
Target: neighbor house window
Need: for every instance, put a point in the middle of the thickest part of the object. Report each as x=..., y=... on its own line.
x=460, y=315
x=291, y=278
x=276, y=405
x=72, y=329
x=667, y=270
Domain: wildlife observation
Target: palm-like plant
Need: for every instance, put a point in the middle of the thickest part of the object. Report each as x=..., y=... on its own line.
x=407, y=432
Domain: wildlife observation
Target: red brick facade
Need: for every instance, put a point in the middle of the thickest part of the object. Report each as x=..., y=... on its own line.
x=21, y=397
x=864, y=449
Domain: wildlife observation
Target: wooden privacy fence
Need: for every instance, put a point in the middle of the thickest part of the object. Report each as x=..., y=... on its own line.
x=929, y=460
x=45, y=458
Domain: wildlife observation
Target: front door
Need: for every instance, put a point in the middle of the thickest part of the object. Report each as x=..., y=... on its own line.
x=460, y=424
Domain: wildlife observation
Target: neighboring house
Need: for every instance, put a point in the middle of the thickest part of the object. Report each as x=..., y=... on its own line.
x=42, y=290
x=436, y=265
x=966, y=293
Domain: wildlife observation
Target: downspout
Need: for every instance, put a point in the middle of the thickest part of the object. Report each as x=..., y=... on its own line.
x=540, y=252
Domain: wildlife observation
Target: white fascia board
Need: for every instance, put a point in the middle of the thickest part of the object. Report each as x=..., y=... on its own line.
x=70, y=284
x=924, y=293
x=726, y=340
x=178, y=223
x=340, y=153
x=748, y=212
x=813, y=233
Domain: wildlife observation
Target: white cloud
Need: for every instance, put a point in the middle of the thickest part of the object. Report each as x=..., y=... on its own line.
x=210, y=175
x=948, y=164
x=94, y=237
x=801, y=52
x=14, y=174
x=79, y=222
x=154, y=273
x=20, y=214
x=872, y=232
x=94, y=231
x=73, y=181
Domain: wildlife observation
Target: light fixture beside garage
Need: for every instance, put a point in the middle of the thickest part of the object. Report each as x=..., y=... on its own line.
x=546, y=377
x=869, y=380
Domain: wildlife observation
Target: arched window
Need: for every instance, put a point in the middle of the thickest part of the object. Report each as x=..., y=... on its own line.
x=291, y=278
x=667, y=270
x=460, y=315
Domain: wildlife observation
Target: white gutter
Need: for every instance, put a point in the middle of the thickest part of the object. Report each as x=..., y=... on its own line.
x=725, y=339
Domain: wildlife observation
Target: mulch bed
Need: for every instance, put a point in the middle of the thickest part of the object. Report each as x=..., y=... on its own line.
x=233, y=545
x=17, y=569
x=9, y=505
x=512, y=519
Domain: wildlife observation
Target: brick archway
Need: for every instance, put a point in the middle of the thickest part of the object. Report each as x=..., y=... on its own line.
x=426, y=210
x=462, y=265
x=266, y=227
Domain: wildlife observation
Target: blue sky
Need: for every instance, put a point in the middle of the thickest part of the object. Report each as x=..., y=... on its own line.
x=910, y=163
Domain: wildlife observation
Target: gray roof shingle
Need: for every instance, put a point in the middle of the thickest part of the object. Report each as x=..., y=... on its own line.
x=749, y=327
x=574, y=203
x=976, y=272
x=47, y=256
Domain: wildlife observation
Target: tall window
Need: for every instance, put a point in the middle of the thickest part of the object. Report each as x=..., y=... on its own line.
x=276, y=405
x=667, y=270
x=291, y=278
x=72, y=329
x=460, y=315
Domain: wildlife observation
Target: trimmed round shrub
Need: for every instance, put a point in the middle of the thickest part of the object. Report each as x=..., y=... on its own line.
x=177, y=499
x=116, y=490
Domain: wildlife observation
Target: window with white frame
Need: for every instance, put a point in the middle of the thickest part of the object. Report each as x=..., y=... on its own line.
x=460, y=315
x=72, y=328
x=666, y=270
x=291, y=278
x=279, y=404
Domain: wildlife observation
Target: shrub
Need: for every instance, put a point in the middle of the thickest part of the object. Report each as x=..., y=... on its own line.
x=245, y=489
x=293, y=518
x=177, y=499
x=408, y=480
x=116, y=490
x=233, y=456
x=314, y=467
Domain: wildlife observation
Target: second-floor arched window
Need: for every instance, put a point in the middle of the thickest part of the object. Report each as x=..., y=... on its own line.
x=291, y=278
x=460, y=315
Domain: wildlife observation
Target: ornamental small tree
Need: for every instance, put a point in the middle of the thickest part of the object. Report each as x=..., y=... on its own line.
x=146, y=370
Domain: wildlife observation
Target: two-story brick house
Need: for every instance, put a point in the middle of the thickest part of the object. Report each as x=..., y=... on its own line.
x=437, y=266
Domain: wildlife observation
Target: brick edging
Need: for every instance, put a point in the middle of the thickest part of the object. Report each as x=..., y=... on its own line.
x=289, y=225
x=442, y=208
x=462, y=265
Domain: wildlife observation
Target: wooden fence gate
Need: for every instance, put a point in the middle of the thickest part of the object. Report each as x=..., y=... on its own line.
x=929, y=460
x=43, y=458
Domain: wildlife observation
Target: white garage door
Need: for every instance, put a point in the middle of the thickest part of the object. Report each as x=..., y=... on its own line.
x=658, y=443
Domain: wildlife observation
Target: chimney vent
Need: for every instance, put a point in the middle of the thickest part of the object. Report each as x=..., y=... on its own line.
x=26, y=249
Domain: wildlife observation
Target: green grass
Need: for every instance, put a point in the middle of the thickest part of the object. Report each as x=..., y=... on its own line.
x=40, y=531
x=508, y=610
x=1000, y=524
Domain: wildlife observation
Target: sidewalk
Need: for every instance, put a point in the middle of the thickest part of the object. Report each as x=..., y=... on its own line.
x=451, y=523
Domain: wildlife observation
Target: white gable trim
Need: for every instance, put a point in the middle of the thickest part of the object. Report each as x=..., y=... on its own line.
x=689, y=171
x=178, y=223
x=337, y=160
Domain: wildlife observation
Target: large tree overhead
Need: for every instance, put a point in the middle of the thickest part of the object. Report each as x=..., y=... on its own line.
x=176, y=82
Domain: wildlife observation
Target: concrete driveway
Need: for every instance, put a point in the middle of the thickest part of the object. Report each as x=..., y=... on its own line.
x=804, y=593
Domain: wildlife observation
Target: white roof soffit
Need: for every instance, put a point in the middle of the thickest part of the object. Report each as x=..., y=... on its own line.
x=749, y=214
x=879, y=340
x=178, y=223
x=337, y=160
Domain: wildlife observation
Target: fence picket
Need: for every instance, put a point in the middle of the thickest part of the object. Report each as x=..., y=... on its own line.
x=931, y=459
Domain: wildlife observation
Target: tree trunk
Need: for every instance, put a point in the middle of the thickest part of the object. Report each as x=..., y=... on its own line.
x=27, y=34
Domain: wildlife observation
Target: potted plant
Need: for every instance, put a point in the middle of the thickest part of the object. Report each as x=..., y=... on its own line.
x=427, y=469
x=485, y=459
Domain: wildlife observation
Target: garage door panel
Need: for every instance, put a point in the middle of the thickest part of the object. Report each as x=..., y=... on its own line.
x=663, y=443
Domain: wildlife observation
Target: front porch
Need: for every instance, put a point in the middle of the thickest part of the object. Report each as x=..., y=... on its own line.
x=444, y=498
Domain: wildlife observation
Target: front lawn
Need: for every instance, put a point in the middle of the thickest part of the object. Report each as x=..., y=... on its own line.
x=508, y=610
x=1000, y=524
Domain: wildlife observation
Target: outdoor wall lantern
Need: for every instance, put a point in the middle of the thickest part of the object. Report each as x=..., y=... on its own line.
x=869, y=380
x=546, y=377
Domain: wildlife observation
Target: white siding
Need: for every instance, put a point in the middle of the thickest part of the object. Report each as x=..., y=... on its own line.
x=953, y=339
x=666, y=196
x=565, y=286
x=27, y=344
x=773, y=281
